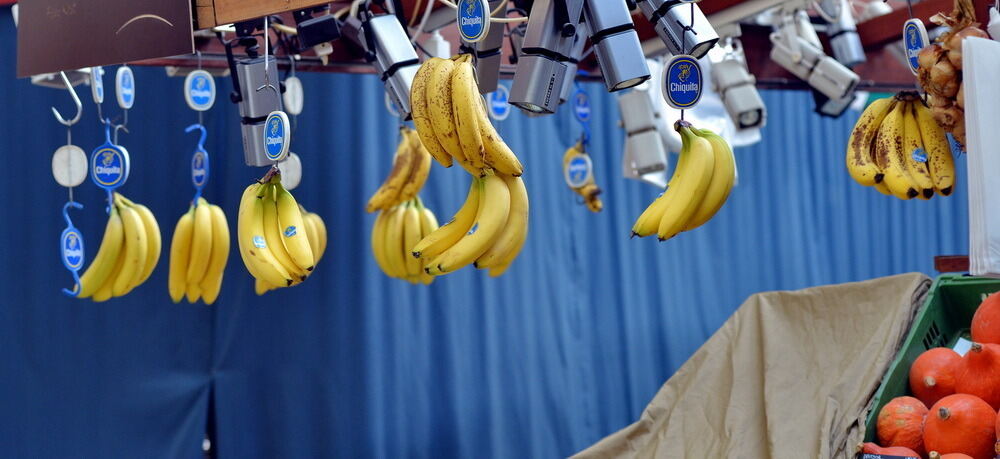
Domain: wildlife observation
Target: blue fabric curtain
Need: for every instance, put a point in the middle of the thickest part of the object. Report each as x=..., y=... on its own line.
x=563, y=350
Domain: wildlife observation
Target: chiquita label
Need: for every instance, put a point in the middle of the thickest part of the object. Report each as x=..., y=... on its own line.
x=682, y=82
x=473, y=20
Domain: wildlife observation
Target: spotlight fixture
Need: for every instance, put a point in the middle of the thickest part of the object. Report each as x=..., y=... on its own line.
x=794, y=50
x=672, y=20
x=389, y=50
x=735, y=86
x=616, y=43
x=843, y=34
x=545, y=53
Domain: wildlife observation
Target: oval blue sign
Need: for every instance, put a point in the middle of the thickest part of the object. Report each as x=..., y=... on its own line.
x=276, y=136
x=199, y=90
x=578, y=171
x=682, y=82
x=581, y=106
x=125, y=87
x=71, y=244
x=108, y=167
x=499, y=103
x=199, y=169
x=914, y=40
x=473, y=19
x=97, y=84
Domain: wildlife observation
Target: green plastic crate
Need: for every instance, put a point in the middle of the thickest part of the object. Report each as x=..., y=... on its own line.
x=944, y=318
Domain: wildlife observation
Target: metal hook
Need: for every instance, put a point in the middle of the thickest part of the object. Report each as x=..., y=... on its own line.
x=76, y=101
x=77, y=287
x=204, y=134
x=117, y=127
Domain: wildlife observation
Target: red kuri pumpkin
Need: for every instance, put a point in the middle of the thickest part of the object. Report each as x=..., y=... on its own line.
x=932, y=375
x=901, y=423
x=986, y=322
x=961, y=423
x=980, y=373
x=872, y=448
x=935, y=455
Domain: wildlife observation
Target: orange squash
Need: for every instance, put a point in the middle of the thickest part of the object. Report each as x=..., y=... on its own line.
x=961, y=423
x=935, y=455
x=986, y=322
x=980, y=373
x=932, y=375
x=901, y=423
x=872, y=448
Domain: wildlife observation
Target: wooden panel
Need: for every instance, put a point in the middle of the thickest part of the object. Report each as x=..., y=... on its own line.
x=228, y=11
x=204, y=17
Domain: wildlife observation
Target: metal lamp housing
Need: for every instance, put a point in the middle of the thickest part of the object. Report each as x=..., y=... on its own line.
x=616, y=43
x=735, y=86
x=545, y=54
x=669, y=17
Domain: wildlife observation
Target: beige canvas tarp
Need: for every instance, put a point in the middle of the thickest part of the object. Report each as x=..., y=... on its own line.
x=789, y=375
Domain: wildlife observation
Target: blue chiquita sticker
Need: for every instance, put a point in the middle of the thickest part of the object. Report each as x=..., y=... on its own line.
x=72, y=249
x=125, y=87
x=259, y=242
x=914, y=40
x=473, y=20
x=276, y=136
x=682, y=82
x=199, y=90
x=290, y=231
x=578, y=170
x=499, y=103
x=199, y=169
x=581, y=106
x=108, y=167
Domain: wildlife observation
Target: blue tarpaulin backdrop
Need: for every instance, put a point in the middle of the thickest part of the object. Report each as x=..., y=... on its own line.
x=563, y=350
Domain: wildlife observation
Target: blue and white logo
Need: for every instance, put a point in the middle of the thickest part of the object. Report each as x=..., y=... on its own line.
x=914, y=40
x=97, y=84
x=578, y=171
x=581, y=106
x=919, y=155
x=499, y=103
x=259, y=242
x=72, y=249
x=682, y=82
x=199, y=169
x=125, y=87
x=108, y=167
x=276, y=136
x=473, y=20
x=199, y=90
x=290, y=231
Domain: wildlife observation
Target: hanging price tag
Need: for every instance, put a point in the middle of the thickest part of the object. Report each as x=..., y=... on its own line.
x=473, y=20
x=581, y=106
x=199, y=90
x=69, y=166
x=125, y=87
x=277, y=136
x=97, y=84
x=294, y=95
x=291, y=171
x=914, y=40
x=71, y=248
x=109, y=164
x=498, y=103
x=682, y=81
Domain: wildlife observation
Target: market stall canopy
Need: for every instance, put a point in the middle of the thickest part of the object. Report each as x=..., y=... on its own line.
x=789, y=375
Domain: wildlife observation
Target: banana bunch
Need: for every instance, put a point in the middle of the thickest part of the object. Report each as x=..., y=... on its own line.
x=898, y=148
x=489, y=229
x=451, y=119
x=589, y=191
x=700, y=185
x=396, y=231
x=279, y=242
x=199, y=251
x=410, y=168
x=129, y=251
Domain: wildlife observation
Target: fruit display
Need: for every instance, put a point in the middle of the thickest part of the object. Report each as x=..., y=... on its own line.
x=940, y=72
x=199, y=251
x=489, y=229
x=901, y=423
x=900, y=451
x=961, y=423
x=129, y=251
x=898, y=148
x=933, y=373
x=980, y=373
x=410, y=167
x=589, y=191
x=936, y=455
x=395, y=232
x=274, y=235
x=451, y=119
x=986, y=321
x=700, y=185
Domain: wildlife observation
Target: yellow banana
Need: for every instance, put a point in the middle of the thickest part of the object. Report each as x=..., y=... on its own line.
x=411, y=236
x=723, y=176
x=447, y=235
x=261, y=287
x=913, y=146
x=272, y=233
x=465, y=101
x=201, y=242
x=180, y=253
x=212, y=282
x=393, y=242
x=136, y=248
x=515, y=231
x=687, y=191
x=152, y=236
x=421, y=118
x=428, y=223
x=105, y=292
x=250, y=229
x=107, y=256
x=861, y=162
x=421, y=160
x=491, y=217
x=388, y=193
x=439, y=107
x=193, y=292
x=497, y=154
x=939, y=158
x=378, y=241
x=320, y=234
x=296, y=243
x=311, y=233
x=889, y=154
